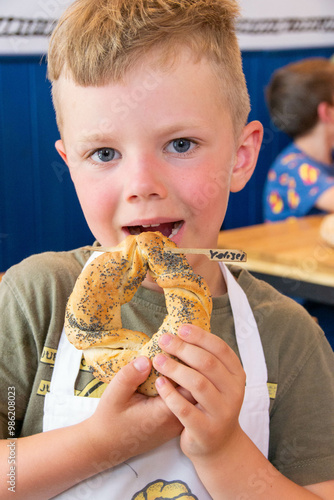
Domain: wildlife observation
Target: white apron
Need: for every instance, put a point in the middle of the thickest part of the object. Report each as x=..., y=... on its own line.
x=165, y=468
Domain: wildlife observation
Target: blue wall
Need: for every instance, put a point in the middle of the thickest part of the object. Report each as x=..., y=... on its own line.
x=38, y=206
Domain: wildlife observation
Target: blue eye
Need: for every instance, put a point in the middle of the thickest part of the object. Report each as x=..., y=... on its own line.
x=105, y=155
x=182, y=145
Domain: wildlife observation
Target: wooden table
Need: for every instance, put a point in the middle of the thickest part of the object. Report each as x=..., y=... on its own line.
x=290, y=255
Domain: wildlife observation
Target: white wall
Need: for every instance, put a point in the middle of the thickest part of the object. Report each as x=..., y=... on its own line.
x=265, y=24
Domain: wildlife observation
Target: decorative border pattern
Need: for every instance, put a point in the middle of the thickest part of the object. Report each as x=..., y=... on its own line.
x=39, y=27
x=285, y=25
x=26, y=27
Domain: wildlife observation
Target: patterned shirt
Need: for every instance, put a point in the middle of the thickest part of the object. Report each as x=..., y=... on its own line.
x=294, y=183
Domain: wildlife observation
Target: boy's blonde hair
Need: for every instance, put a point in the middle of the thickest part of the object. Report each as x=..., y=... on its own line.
x=97, y=41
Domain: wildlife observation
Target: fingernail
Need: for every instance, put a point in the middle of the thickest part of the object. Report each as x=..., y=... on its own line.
x=160, y=381
x=160, y=359
x=165, y=339
x=141, y=364
x=184, y=331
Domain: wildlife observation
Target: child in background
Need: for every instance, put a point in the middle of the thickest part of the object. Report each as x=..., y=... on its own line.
x=300, y=182
x=152, y=110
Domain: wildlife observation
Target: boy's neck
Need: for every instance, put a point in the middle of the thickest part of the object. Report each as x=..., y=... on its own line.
x=214, y=278
x=317, y=145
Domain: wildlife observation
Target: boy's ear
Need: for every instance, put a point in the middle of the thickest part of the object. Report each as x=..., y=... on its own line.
x=326, y=112
x=246, y=155
x=61, y=150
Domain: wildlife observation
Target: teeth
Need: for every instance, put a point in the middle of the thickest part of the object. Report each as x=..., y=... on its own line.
x=136, y=230
x=175, y=229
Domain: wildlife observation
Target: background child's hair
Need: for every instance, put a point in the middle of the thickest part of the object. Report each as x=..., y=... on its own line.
x=97, y=41
x=295, y=92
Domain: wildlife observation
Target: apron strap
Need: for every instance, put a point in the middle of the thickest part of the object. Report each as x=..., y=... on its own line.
x=68, y=359
x=246, y=331
x=254, y=415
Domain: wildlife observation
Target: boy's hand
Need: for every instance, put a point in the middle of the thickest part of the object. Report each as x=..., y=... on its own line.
x=127, y=423
x=213, y=374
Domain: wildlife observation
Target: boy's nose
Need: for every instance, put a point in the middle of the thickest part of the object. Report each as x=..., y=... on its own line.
x=144, y=180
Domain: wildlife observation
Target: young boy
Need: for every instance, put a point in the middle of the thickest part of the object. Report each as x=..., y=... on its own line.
x=301, y=103
x=152, y=106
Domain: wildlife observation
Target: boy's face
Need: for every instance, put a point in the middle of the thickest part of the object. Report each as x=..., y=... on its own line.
x=153, y=153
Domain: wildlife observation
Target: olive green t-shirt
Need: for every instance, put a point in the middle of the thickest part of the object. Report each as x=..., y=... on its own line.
x=300, y=362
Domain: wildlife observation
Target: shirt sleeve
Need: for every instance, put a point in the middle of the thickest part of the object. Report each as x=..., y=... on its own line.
x=311, y=181
x=18, y=360
x=300, y=363
x=302, y=420
x=33, y=296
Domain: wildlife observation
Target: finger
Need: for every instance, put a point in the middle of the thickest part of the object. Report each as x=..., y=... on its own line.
x=182, y=408
x=213, y=344
x=200, y=387
x=185, y=394
x=212, y=392
x=218, y=367
x=127, y=380
x=194, y=357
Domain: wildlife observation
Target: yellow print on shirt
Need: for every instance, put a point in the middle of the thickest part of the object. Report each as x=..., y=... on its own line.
x=275, y=202
x=161, y=490
x=308, y=174
x=48, y=356
x=94, y=389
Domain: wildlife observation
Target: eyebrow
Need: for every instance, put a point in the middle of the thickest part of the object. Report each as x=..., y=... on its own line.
x=177, y=128
x=94, y=136
x=105, y=136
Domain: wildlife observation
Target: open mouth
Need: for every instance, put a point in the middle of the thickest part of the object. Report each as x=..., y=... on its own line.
x=168, y=229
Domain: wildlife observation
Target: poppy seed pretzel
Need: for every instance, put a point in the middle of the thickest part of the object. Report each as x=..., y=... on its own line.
x=93, y=313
